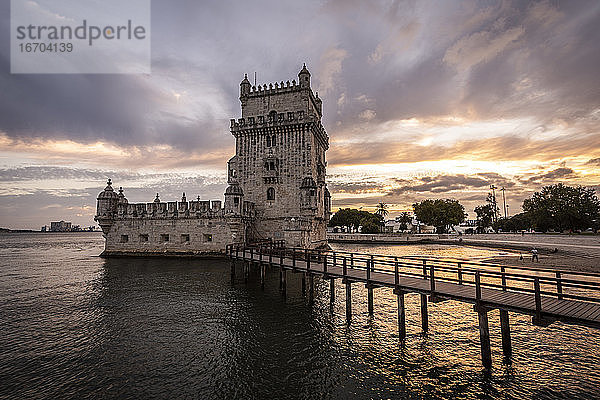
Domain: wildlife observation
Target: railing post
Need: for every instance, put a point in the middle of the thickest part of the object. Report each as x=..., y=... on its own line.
x=351, y=259
x=368, y=272
x=324, y=263
x=372, y=263
x=502, y=269
x=424, y=269
x=348, y=292
x=559, y=289
x=334, y=259
x=251, y=253
x=477, y=286
x=396, y=275
x=271, y=256
x=293, y=258
x=307, y=260
x=460, y=280
x=432, y=279
x=538, y=298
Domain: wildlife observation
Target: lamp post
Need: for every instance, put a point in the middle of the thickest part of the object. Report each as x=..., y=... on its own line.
x=504, y=201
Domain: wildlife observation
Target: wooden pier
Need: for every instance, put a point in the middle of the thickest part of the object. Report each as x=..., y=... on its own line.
x=547, y=295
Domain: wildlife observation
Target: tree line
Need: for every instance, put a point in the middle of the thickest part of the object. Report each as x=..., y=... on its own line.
x=554, y=208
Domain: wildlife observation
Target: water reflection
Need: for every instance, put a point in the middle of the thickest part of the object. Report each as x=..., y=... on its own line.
x=78, y=326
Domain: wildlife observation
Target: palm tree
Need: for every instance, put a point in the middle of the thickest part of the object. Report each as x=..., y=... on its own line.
x=382, y=210
x=404, y=219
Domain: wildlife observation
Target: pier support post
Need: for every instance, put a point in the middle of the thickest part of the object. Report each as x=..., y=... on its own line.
x=424, y=315
x=401, y=315
x=304, y=284
x=484, y=337
x=283, y=275
x=246, y=272
x=505, y=328
x=348, y=302
x=332, y=291
x=262, y=277
x=370, y=299
x=311, y=289
x=280, y=278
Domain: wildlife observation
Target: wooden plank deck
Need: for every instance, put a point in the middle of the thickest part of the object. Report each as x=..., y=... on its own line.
x=568, y=311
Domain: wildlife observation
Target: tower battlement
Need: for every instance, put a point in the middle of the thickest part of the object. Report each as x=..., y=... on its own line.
x=281, y=97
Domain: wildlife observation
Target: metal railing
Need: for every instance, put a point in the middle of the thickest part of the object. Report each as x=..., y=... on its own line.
x=560, y=284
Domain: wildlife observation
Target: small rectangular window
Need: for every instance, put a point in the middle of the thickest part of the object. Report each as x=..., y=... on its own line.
x=143, y=238
x=164, y=237
x=290, y=116
x=185, y=238
x=208, y=237
x=124, y=238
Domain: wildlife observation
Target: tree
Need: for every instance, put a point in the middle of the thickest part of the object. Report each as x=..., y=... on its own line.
x=440, y=213
x=346, y=217
x=371, y=226
x=485, y=216
x=382, y=210
x=404, y=219
x=355, y=218
x=562, y=207
x=516, y=223
x=486, y=213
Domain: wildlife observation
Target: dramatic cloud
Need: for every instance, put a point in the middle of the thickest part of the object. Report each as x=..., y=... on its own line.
x=445, y=97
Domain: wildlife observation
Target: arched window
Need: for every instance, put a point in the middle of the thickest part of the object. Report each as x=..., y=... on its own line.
x=270, y=194
x=273, y=116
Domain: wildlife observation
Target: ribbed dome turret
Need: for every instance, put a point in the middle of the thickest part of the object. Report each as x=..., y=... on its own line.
x=234, y=189
x=122, y=198
x=108, y=193
x=308, y=183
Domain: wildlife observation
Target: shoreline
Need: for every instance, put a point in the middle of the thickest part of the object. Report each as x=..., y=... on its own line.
x=556, y=251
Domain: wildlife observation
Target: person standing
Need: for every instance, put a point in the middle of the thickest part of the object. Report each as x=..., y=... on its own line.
x=534, y=255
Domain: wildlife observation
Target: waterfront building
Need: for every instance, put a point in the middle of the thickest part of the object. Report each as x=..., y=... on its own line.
x=276, y=185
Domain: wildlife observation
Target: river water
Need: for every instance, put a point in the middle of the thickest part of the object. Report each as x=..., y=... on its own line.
x=78, y=326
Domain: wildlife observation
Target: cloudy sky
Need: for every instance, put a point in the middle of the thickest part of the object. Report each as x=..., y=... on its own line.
x=422, y=99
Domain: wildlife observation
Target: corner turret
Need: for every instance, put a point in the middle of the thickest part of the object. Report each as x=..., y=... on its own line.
x=304, y=77
x=234, y=196
x=106, y=207
x=245, y=87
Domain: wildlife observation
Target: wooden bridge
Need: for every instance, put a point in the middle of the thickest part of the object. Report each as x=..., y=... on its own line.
x=547, y=295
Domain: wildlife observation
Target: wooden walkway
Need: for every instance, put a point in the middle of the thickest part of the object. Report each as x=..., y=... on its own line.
x=546, y=295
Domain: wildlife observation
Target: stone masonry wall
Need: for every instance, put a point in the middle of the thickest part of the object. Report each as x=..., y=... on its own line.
x=198, y=236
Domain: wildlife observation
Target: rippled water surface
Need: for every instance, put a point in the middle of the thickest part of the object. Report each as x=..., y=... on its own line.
x=78, y=326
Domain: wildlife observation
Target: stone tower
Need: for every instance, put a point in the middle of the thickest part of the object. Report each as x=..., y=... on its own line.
x=280, y=161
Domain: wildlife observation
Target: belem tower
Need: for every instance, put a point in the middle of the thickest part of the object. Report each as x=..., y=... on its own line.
x=276, y=185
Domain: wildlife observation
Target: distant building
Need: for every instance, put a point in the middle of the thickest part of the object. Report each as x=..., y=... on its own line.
x=60, y=226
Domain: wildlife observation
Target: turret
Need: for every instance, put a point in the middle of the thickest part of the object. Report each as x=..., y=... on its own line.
x=308, y=193
x=234, y=196
x=245, y=87
x=122, y=199
x=106, y=207
x=304, y=77
x=319, y=104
